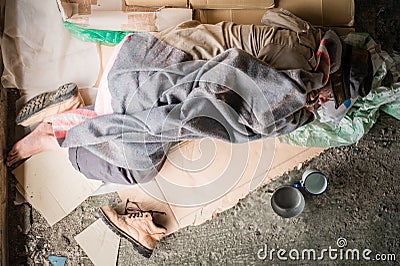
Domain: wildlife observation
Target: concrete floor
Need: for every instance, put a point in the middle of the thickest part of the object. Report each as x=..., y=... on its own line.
x=360, y=206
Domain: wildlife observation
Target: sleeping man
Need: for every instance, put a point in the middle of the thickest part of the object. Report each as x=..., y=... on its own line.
x=233, y=82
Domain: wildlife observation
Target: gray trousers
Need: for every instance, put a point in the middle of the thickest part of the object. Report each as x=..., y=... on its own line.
x=94, y=167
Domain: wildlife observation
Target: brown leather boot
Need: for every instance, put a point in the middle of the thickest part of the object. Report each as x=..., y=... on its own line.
x=135, y=225
x=44, y=105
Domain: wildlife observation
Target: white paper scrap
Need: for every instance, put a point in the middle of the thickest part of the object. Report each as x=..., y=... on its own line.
x=99, y=243
x=51, y=184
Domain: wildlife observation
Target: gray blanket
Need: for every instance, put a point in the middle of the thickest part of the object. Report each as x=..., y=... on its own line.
x=160, y=97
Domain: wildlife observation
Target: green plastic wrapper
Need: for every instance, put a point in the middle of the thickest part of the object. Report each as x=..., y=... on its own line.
x=104, y=37
x=364, y=113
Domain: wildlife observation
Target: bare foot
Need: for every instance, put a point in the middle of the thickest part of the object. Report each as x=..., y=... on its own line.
x=40, y=139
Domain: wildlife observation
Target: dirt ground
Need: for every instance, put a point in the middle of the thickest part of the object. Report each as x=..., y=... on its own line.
x=360, y=206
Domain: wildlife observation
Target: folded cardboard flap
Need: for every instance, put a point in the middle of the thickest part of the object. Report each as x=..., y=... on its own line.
x=118, y=15
x=343, y=14
x=133, y=21
x=52, y=192
x=69, y=8
x=126, y=8
x=143, y=21
x=245, y=16
x=169, y=17
x=317, y=12
x=336, y=13
x=124, y=15
x=100, y=244
x=205, y=4
x=232, y=4
x=158, y=3
x=322, y=12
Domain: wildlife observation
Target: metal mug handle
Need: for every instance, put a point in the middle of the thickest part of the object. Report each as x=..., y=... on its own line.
x=297, y=185
x=307, y=174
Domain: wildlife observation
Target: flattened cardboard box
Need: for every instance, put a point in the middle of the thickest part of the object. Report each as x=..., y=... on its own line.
x=322, y=12
x=245, y=16
x=125, y=14
x=233, y=4
x=157, y=3
x=115, y=15
x=204, y=4
x=336, y=13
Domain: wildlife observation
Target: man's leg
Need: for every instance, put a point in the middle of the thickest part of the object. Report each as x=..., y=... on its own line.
x=136, y=225
x=39, y=140
x=94, y=167
x=287, y=43
x=48, y=135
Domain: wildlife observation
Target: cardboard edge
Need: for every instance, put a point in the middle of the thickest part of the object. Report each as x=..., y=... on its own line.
x=98, y=237
x=192, y=216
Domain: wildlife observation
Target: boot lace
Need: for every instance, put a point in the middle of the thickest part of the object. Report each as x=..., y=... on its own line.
x=133, y=210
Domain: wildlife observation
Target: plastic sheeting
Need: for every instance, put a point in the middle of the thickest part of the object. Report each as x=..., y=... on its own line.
x=39, y=54
x=104, y=37
x=364, y=113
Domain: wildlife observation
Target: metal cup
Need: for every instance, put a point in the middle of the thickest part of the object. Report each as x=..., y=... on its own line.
x=313, y=181
x=287, y=201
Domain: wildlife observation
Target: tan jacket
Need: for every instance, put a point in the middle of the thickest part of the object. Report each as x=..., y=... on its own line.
x=284, y=41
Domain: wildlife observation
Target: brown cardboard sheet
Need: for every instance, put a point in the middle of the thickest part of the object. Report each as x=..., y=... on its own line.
x=192, y=195
x=322, y=12
x=336, y=13
x=244, y=16
x=233, y=4
x=133, y=21
x=51, y=192
x=159, y=3
x=332, y=13
x=99, y=243
x=249, y=166
x=118, y=15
